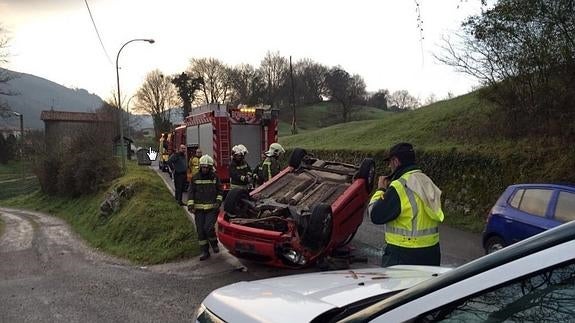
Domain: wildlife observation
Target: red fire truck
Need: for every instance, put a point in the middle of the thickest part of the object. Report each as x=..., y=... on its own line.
x=216, y=128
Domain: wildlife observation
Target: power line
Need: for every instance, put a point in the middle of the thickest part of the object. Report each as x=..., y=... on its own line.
x=97, y=32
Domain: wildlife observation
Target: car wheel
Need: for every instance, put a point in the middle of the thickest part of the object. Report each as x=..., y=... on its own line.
x=318, y=232
x=296, y=157
x=234, y=202
x=493, y=244
x=367, y=172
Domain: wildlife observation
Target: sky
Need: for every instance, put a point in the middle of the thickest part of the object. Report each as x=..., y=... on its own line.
x=378, y=39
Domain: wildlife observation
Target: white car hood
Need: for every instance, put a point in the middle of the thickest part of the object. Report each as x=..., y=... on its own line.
x=301, y=298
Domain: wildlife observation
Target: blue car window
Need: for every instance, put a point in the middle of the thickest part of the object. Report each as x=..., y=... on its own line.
x=535, y=201
x=516, y=199
x=565, y=210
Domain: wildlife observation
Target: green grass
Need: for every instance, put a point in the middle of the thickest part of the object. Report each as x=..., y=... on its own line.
x=313, y=117
x=13, y=169
x=148, y=229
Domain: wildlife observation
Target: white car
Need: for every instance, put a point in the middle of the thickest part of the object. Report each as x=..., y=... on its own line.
x=531, y=281
x=305, y=297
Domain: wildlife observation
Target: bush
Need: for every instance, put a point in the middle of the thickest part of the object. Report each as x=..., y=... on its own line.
x=80, y=168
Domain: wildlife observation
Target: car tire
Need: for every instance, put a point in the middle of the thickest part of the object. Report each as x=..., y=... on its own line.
x=493, y=244
x=233, y=204
x=319, y=228
x=367, y=172
x=296, y=157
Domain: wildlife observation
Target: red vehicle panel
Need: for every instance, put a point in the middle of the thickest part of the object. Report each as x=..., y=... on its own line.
x=302, y=214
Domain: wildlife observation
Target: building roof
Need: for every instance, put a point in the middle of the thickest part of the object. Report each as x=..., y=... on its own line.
x=52, y=115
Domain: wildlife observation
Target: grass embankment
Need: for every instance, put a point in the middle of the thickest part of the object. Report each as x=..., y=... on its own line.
x=457, y=146
x=323, y=114
x=11, y=182
x=149, y=228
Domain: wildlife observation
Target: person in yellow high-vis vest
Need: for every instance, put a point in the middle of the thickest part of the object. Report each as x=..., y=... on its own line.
x=194, y=164
x=409, y=204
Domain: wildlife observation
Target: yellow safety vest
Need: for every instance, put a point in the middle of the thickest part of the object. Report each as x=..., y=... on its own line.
x=417, y=224
x=193, y=167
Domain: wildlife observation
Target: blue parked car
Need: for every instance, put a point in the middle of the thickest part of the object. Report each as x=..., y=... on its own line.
x=525, y=210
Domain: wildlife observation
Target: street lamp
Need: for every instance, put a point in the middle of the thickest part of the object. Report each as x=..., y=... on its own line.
x=123, y=152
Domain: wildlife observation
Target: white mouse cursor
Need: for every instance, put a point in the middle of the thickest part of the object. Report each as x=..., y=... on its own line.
x=152, y=154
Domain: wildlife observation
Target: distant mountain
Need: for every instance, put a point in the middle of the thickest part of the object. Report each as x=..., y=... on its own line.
x=34, y=94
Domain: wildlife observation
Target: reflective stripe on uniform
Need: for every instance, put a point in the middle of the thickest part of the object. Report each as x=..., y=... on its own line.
x=219, y=198
x=238, y=186
x=205, y=206
x=204, y=181
x=190, y=202
x=413, y=203
x=412, y=233
x=241, y=167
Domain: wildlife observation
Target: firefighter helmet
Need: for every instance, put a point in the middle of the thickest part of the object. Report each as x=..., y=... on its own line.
x=275, y=150
x=206, y=160
x=239, y=150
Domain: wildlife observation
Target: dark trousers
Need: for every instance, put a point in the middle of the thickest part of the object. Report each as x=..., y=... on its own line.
x=205, y=226
x=179, y=180
x=395, y=255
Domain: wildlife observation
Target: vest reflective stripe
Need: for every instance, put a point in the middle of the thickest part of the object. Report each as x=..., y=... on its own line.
x=413, y=228
x=204, y=181
x=269, y=164
x=232, y=185
x=413, y=203
x=242, y=167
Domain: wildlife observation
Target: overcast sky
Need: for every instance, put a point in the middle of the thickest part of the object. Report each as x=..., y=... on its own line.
x=378, y=39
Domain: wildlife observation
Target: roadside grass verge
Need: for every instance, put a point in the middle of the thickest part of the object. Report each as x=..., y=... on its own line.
x=13, y=169
x=149, y=228
x=1, y=226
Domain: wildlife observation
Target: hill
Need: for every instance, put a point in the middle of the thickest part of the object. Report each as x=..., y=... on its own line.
x=34, y=94
x=313, y=117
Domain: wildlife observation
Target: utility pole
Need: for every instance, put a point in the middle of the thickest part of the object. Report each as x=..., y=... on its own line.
x=292, y=99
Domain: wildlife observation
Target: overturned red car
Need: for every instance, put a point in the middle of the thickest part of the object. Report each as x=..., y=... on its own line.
x=308, y=210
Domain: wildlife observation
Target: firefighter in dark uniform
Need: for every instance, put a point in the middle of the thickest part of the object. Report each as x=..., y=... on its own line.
x=204, y=199
x=270, y=166
x=240, y=171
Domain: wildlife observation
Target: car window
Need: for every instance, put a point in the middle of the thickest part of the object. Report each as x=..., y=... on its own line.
x=535, y=201
x=565, y=210
x=547, y=296
x=516, y=199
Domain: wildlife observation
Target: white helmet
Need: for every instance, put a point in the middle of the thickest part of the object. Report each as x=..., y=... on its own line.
x=206, y=160
x=239, y=150
x=275, y=150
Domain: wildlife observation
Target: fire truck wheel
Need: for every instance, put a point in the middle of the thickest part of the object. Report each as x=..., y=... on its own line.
x=296, y=157
x=233, y=204
x=367, y=172
x=318, y=233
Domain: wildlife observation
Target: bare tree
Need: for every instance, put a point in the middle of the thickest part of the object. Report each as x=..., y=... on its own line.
x=432, y=98
x=215, y=87
x=402, y=100
x=274, y=69
x=247, y=85
x=345, y=89
x=5, y=76
x=155, y=97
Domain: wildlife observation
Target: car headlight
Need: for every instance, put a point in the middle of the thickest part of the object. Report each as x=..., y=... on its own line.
x=203, y=315
x=294, y=256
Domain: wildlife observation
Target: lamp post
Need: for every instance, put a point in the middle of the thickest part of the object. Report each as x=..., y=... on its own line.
x=122, y=151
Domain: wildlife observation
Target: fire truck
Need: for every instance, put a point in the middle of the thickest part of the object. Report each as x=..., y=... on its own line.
x=216, y=128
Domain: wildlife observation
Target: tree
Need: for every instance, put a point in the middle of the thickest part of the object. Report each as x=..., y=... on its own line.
x=310, y=81
x=345, y=89
x=155, y=97
x=379, y=99
x=187, y=86
x=215, y=87
x=402, y=100
x=275, y=69
x=524, y=52
x=5, y=76
x=246, y=84
x=432, y=98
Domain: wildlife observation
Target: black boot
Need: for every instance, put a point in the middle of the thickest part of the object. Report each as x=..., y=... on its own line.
x=205, y=252
x=215, y=247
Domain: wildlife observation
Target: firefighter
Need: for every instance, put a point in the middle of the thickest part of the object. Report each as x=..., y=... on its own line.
x=194, y=164
x=204, y=200
x=179, y=165
x=270, y=167
x=240, y=171
x=409, y=204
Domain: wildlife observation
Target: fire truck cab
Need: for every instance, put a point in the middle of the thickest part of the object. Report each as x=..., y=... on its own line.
x=216, y=128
